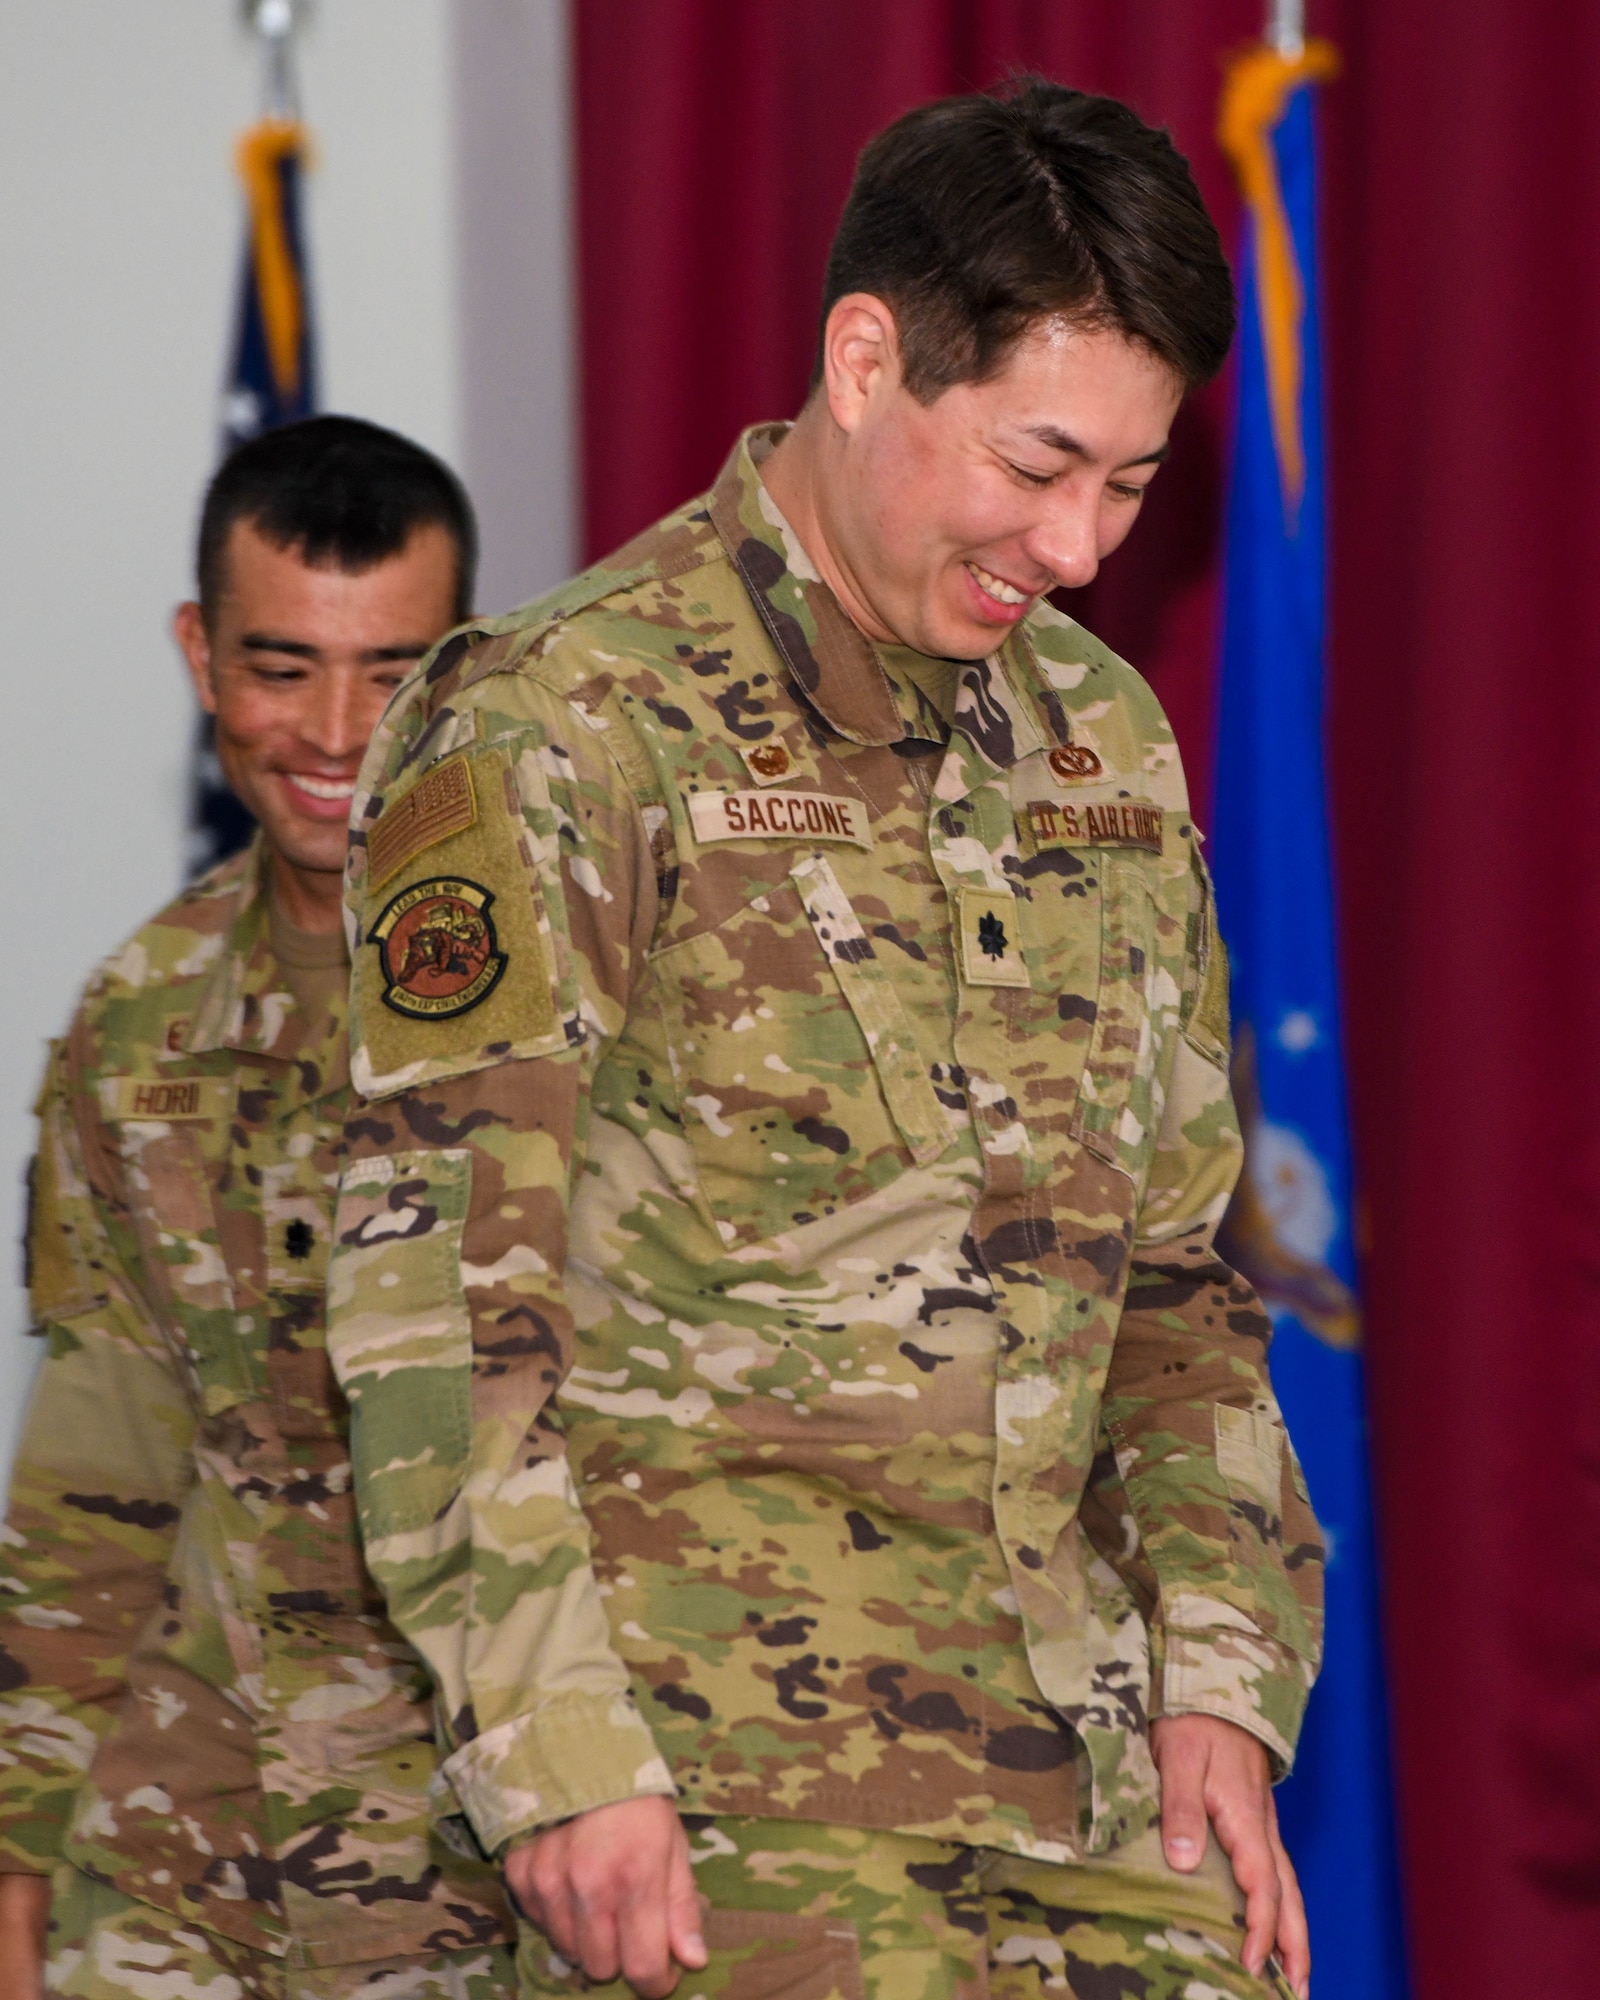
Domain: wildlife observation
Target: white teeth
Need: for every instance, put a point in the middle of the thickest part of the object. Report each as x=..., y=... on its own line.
x=324, y=788
x=997, y=587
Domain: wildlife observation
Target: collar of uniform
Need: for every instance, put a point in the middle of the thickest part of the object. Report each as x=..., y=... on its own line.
x=998, y=707
x=245, y=1006
x=831, y=660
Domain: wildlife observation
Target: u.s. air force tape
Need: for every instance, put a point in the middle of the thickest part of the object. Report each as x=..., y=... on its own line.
x=775, y=815
x=1116, y=823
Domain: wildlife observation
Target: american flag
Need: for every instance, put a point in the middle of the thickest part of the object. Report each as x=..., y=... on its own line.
x=272, y=377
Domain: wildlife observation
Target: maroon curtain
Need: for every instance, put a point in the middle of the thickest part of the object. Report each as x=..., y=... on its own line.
x=1462, y=170
x=1464, y=185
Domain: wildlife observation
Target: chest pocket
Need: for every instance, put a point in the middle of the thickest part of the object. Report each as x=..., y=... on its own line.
x=1119, y=1105
x=298, y=1181
x=171, y=1165
x=795, y=1065
x=298, y=1191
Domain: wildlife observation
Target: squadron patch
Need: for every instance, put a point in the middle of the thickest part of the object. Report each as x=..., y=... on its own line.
x=437, y=946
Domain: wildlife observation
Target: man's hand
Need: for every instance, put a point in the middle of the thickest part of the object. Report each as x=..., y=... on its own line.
x=24, y=1918
x=613, y=1892
x=1211, y=1769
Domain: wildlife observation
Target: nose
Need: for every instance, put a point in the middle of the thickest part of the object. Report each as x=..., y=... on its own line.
x=330, y=722
x=1065, y=538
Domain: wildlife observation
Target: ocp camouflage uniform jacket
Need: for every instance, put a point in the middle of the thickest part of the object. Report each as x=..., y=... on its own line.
x=774, y=1277
x=201, y=1700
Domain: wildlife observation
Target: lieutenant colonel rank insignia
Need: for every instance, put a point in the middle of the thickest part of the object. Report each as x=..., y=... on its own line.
x=437, y=945
x=986, y=921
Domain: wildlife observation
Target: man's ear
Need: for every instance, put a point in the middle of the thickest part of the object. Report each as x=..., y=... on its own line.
x=189, y=629
x=860, y=356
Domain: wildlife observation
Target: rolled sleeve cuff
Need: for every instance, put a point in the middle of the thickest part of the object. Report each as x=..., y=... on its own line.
x=567, y=1757
x=1228, y=1667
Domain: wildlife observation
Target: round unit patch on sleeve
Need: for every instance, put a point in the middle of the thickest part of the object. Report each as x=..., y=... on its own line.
x=438, y=948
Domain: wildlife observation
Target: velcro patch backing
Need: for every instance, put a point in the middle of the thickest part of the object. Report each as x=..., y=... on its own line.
x=429, y=942
x=774, y=815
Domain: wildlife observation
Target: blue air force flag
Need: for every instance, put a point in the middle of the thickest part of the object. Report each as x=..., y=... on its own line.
x=1290, y=1227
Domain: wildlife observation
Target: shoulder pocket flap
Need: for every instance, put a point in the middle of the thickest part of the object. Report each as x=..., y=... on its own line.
x=1249, y=1446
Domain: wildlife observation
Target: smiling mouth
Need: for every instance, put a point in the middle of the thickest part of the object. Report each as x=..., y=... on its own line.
x=340, y=790
x=996, y=586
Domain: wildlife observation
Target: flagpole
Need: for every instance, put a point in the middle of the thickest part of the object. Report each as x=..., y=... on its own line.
x=1286, y=27
x=274, y=23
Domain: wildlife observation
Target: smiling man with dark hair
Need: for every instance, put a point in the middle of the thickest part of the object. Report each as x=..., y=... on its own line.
x=800, y=1413
x=214, y=1741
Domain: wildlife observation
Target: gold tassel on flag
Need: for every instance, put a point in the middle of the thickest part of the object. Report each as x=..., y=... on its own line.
x=1254, y=95
x=262, y=152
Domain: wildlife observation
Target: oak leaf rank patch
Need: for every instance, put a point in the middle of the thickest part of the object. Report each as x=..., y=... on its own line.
x=987, y=929
x=438, y=949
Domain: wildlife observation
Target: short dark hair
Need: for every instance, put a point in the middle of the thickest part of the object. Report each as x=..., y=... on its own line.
x=973, y=218
x=344, y=493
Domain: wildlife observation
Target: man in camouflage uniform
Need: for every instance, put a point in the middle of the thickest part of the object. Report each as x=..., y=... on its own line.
x=209, y=1731
x=798, y=1411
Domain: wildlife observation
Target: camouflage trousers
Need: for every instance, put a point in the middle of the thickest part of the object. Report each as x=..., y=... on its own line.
x=799, y=1911
x=106, y=1946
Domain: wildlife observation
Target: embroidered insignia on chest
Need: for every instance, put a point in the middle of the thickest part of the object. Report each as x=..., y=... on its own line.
x=767, y=762
x=988, y=927
x=777, y=816
x=437, y=946
x=1073, y=761
x=439, y=804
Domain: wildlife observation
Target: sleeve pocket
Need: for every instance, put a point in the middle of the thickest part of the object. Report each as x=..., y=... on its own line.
x=57, y=1268
x=400, y=1335
x=1249, y=1447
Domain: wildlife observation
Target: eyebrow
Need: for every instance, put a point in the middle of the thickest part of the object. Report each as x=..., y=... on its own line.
x=299, y=649
x=1058, y=440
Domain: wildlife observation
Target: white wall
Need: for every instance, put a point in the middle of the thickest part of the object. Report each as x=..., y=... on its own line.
x=514, y=257
x=120, y=232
